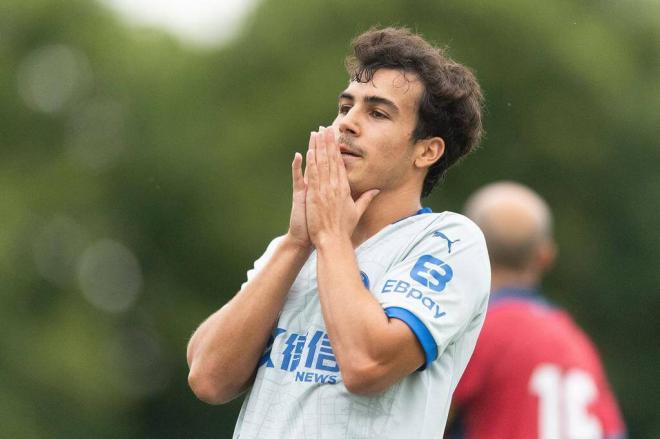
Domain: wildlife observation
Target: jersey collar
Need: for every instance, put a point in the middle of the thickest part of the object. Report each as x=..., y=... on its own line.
x=421, y=211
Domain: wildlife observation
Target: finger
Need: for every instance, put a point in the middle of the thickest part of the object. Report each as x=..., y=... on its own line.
x=331, y=149
x=311, y=146
x=365, y=199
x=312, y=140
x=296, y=173
x=311, y=170
x=342, y=177
x=322, y=157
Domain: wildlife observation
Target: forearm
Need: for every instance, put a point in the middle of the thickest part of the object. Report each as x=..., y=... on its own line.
x=363, y=337
x=224, y=351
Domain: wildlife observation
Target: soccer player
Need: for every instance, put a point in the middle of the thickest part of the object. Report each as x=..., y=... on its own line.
x=359, y=321
x=534, y=373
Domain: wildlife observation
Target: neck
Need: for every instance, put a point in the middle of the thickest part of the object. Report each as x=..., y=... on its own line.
x=503, y=278
x=385, y=209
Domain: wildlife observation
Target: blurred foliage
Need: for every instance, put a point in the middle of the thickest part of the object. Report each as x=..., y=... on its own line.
x=139, y=179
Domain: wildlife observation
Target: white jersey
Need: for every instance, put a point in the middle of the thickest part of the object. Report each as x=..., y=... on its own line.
x=430, y=271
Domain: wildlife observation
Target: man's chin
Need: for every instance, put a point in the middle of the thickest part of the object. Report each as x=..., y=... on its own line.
x=356, y=192
x=358, y=187
x=355, y=188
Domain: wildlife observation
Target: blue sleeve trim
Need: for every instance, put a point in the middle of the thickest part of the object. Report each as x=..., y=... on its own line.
x=419, y=329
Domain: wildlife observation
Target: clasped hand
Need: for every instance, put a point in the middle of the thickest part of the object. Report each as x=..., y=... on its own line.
x=323, y=209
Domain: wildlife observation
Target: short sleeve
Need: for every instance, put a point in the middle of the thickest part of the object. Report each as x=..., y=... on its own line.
x=263, y=259
x=438, y=288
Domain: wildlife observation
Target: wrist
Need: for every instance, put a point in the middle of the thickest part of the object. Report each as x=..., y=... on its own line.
x=302, y=246
x=325, y=242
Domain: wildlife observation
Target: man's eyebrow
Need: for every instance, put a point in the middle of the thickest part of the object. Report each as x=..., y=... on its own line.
x=382, y=101
x=345, y=95
x=372, y=100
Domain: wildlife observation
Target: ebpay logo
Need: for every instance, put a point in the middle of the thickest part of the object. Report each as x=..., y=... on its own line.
x=428, y=271
x=432, y=273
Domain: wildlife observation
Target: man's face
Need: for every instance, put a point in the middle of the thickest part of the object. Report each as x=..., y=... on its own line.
x=375, y=122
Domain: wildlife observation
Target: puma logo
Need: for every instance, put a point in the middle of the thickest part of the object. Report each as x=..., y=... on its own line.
x=443, y=236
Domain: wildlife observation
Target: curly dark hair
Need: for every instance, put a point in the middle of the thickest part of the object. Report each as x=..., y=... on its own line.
x=451, y=103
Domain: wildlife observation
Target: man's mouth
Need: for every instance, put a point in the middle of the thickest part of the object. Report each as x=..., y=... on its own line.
x=345, y=150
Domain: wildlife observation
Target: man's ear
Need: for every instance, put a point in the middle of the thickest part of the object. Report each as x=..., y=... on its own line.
x=429, y=151
x=546, y=255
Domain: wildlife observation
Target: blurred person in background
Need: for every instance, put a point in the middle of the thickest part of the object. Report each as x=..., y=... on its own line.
x=534, y=372
x=359, y=321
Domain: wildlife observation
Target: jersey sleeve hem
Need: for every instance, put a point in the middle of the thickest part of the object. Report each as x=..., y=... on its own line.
x=419, y=329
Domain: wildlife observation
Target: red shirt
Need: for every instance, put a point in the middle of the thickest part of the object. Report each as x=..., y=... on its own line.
x=534, y=374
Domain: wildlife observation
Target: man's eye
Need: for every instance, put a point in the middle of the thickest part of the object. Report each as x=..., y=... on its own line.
x=343, y=109
x=378, y=115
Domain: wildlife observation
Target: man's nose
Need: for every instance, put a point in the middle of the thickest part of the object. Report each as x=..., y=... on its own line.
x=349, y=124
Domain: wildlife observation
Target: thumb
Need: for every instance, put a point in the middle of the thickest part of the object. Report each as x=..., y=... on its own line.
x=365, y=199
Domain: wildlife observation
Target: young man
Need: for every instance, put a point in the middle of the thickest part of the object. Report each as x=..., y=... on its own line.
x=359, y=321
x=534, y=373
